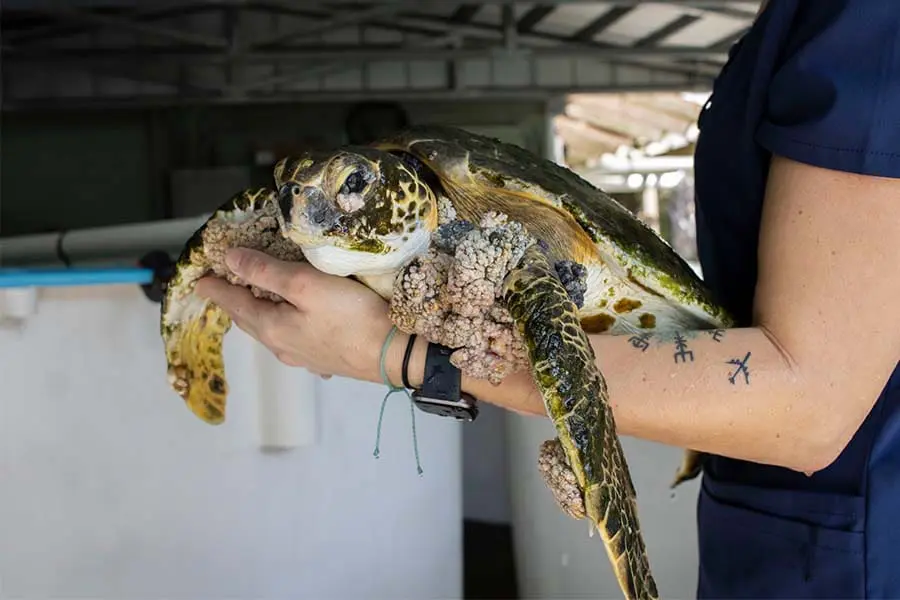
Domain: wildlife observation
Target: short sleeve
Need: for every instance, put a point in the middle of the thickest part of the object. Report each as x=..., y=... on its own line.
x=834, y=97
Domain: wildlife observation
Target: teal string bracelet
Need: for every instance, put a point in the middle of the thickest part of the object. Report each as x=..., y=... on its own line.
x=392, y=389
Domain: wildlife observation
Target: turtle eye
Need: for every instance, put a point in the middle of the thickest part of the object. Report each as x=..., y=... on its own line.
x=354, y=184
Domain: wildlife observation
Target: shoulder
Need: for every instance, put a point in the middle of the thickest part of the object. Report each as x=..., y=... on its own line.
x=835, y=85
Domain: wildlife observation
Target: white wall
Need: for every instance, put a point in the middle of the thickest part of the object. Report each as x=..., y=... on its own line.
x=556, y=558
x=111, y=488
x=485, y=473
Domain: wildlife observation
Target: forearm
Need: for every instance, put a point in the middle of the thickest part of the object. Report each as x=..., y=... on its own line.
x=731, y=392
x=728, y=392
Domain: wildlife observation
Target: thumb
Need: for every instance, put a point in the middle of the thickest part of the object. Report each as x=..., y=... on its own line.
x=287, y=279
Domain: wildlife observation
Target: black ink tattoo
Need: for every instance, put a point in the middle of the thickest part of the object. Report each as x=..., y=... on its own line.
x=716, y=334
x=742, y=368
x=682, y=351
x=641, y=341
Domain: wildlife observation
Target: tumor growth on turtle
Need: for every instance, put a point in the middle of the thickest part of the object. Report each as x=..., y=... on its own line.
x=450, y=295
x=506, y=258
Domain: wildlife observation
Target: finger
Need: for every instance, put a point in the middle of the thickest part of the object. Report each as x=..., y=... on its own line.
x=245, y=309
x=287, y=279
x=213, y=288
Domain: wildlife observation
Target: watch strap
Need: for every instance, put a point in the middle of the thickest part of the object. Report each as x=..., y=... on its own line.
x=441, y=392
x=442, y=379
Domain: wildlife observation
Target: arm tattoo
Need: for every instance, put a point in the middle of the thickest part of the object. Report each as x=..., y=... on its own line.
x=716, y=334
x=641, y=341
x=741, y=369
x=681, y=349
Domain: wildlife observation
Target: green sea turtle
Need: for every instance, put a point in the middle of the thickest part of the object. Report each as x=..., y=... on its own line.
x=481, y=246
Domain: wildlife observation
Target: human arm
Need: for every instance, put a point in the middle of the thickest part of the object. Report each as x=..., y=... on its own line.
x=822, y=346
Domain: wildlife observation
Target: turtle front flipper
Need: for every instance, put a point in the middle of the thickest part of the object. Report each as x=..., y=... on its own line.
x=576, y=399
x=196, y=369
x=192, y=327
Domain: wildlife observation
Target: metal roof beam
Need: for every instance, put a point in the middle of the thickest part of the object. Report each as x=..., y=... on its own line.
x=337, y=20
x=509, y=27
x=604, y=21
x=136, y=74
x=341, y=63
x=465, y=13
x=371, y=53
x=662, y=33
x=535, y=15
x=725, y=43
x=541, y=40
x=506, y=93
x=35, y=35
x=127, y=24
x=735, y=13
x=423, y=24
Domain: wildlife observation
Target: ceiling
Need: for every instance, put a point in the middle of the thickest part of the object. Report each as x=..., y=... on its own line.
x=127, y=52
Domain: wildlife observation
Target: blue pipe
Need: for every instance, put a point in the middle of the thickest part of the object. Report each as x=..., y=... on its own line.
x=13, y=277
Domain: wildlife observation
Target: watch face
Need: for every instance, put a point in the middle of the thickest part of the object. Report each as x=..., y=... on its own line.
x=461, y=410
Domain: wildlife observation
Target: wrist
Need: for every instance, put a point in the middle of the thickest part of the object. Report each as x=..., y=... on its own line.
x=415, y=367
x=517, y=393
x=415, y=363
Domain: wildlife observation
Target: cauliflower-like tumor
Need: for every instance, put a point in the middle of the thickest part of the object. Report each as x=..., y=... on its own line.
x=258, y=231
x=450, y=295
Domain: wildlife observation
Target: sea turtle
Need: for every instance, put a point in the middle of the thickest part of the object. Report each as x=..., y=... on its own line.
x=381, y=212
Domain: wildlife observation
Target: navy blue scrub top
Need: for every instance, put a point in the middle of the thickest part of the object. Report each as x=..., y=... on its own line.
x=817, y=81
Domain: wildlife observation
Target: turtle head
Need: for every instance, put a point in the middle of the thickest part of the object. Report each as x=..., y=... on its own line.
x=355, y=211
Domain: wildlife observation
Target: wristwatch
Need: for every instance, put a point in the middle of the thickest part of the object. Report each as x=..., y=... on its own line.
x=441, y=392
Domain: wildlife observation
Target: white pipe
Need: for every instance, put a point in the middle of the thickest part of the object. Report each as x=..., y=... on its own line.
x=285, y=420
x=18, y=303
x=650, y=206
x=644, y=164
x=100, y=243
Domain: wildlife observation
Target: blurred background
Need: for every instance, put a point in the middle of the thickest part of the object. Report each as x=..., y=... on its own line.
x=124, y=123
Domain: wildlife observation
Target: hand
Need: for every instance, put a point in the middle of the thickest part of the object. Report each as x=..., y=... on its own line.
x=327, y=324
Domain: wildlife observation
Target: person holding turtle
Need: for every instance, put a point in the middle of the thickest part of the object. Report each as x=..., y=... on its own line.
x=794, y=407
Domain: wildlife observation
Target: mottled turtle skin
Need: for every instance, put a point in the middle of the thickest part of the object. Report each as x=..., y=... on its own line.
x=368, y=211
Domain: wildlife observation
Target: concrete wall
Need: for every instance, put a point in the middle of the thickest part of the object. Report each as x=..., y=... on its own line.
x=111, y=488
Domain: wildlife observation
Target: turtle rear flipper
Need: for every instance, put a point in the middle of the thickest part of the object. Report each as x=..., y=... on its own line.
x=192, y=327
x=691, y=467
x=576, y=398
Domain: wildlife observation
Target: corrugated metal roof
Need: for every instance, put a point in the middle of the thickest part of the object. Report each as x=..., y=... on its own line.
x=236, y=51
